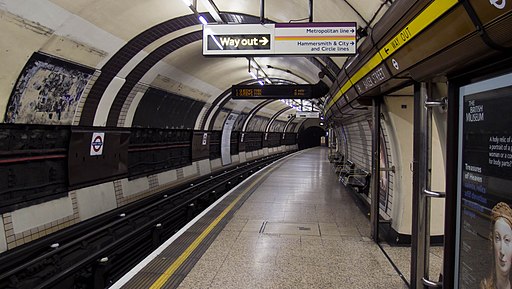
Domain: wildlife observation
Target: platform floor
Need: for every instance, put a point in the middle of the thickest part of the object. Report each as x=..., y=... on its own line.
x=298, y=228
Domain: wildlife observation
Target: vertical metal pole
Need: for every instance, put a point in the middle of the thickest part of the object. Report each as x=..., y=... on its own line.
x=310, y=10
x=374, y=207
x=262, y=11
x=450, y=218
x=427, y=168
x=421, y=180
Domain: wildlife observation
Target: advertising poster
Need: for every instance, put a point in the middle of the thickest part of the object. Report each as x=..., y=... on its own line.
x=226, y=138
x=485, y=185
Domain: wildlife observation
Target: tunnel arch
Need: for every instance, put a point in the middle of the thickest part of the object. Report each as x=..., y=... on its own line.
x=275, y=116
x=309, y=132
x=253, y=112
x=310, y=137
x=138, y=43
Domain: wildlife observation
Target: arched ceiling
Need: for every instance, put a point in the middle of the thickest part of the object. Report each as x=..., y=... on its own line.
x=108, y=26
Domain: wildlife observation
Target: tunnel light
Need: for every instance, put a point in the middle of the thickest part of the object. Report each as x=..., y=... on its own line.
x=253, y=75
x=203, y=20
x=187, y=2
x=261, y=82
x=268, y=80
x=214, y=12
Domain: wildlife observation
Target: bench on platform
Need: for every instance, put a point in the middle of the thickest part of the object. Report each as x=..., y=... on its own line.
x=358, y=179
x=346, y=168
x=337, y=162
x=335, y=157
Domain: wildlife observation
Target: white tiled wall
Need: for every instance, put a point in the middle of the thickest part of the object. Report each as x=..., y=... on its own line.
x=3, y=240
x=134, y=186
x=206, y=168
x=167, y=177
x=190, y=171
x=217, y=163
x=37, y=215
x=95, y=200
x=243, y=157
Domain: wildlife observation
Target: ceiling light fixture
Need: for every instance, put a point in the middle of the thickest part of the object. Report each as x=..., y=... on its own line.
x=187, y=2
x=214, y=11
x=192, y=4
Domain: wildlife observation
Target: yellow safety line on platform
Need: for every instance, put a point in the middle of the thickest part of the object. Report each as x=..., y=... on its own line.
x=183, y=257
x=434, y=11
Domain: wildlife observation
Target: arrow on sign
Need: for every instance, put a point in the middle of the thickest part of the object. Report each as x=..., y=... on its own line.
x=239, y=42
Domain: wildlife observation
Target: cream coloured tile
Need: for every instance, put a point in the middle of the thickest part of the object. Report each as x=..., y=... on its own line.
x=37, y=215
x=3, y=239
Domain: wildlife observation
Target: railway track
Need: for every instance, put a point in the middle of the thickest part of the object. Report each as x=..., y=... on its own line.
x=97, y=252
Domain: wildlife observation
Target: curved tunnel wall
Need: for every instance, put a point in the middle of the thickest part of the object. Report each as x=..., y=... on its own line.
x=160, y=109
x=114, y=91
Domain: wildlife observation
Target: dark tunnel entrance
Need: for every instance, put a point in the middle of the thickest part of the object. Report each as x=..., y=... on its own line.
x=311, y=137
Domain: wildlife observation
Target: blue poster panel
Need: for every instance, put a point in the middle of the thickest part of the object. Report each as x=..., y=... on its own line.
x=484, y=240
x=47, y=91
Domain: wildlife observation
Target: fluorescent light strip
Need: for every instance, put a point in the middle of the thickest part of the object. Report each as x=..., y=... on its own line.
x=203, y=20
x=187, y=2
x=213, y=12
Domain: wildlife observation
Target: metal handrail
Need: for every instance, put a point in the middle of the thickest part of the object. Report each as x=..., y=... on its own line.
x=434, y=103
x=431, y=284
x=390, y=169
x=434, y=194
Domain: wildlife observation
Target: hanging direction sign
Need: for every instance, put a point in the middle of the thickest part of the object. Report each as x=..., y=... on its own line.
x=307, y=114
x=239, y=42
x=326, y=38
x=315, y=38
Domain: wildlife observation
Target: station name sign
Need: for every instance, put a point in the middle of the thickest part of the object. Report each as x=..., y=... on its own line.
x=325, y=38
x=307, y=114
x=299, y=91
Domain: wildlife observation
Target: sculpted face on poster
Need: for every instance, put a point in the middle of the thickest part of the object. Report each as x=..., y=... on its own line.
x=485, y=185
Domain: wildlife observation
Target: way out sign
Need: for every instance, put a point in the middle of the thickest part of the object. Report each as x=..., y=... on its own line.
x=320, y=38
x=239, y=42
x=97, y=142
